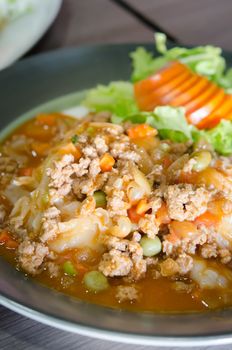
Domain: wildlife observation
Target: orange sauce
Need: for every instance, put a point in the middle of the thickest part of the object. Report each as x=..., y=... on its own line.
x=157, y=295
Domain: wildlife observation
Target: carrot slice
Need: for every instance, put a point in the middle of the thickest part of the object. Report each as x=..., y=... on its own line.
x=222, y=111
x=201, y=85
x=145, y=86
x=207, y=108
x=158, y=96
x=200, y=100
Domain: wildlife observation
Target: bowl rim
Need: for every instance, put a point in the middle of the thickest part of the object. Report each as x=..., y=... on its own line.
x=83, y=329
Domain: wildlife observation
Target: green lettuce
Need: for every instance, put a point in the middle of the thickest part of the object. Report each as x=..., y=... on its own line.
x=204, y=60
x=220, y=137
x=144, y=64
x=117, y=98
x=169, y=121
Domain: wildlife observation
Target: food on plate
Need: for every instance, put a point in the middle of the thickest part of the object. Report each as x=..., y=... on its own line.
x=128, y=206
x=13, y=9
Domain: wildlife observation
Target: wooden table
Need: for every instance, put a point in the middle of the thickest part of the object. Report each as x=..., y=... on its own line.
x=83, y=22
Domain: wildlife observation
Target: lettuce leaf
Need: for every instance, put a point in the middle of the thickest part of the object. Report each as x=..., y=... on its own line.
x=144, y=64
x=169, y=121
x=204, y=60
x=117, y=97
x=220, y=137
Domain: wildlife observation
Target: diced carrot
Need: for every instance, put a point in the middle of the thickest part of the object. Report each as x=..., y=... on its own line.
x=47, y=119
x=181, y=230
x=212, y=177
x=133, y=215
x=162, y=216
x=11, y=244
x=142, y=207
x=140, y=131
x=107, y=162
x=40, y=148
x=70, y=148
x=25, y=171
x=208, y=219
x=4, y=237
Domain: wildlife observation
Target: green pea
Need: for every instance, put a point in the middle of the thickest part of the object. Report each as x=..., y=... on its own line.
x=100, y=198
x=95, y=281
x=203, y=160
x=151, y=246
x=69, y=268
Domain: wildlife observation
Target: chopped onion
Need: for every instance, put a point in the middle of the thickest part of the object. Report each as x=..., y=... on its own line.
x=123, y=228
x=141, y=180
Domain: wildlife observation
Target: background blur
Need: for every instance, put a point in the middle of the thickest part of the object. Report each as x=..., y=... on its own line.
x=102, y=21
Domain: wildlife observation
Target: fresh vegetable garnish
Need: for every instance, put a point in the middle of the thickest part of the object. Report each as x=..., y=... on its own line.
x=117, y=97
x=69, y=268
x=220, y=137
x=74, y=139
x=204, y=60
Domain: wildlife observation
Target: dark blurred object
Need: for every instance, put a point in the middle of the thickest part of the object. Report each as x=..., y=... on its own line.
x=107, y=21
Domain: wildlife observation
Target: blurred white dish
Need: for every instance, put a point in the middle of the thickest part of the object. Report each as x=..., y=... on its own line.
x=18, y=36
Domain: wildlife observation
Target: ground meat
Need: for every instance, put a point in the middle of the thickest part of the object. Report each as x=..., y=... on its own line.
x=209, y=251
x=148, y=225
x=61, y=178
x=100, y=145
x=31, y=256
x=225, y=255
x=53, y=269
x=185, y=263
x=61, y=172
x=115, y=263
x=169, y=267
x=116, y=205
x=94, y=168
x=130, y=263
x=124, y=150
x=126, y=293
x=184, y=202
x=89, y=152
x=82, y=167
x=50, y=224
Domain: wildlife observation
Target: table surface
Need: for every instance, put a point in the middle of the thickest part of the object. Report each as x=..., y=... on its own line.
x=111, y=21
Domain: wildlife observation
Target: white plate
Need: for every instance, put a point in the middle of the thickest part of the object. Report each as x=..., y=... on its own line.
x=20, y=35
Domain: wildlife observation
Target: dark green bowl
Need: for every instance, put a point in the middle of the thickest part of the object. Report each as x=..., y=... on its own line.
x=31, y=83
